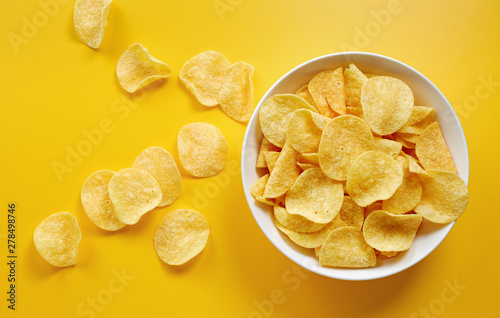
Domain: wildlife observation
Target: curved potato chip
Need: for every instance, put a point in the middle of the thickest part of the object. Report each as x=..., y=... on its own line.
x=418, y=127
x=236, y=94
x=335, y=91
x=432, y=151
x=372, y=207
x=307, y=160
x=161, y=165
x=303, y=132
x=387, y=104
x=354, y=80
x=406, y=144
x=90, y=18
x=265, y=146
x=56, y=239
x=407, y=195
x=373, y=176
x=284, y=174
x=96, y=201
x=344, y=139
x=414, y=166
x=304, y=93
x=202, y=149
x=390, y=232
x=203, y=76
x=271, y=159
x=296, y=222
x=407, y=137
x=387, y=146
x=317, y=88
x=275, y=113
x=351, y=213
x=257, y=191
x=181, y=235
x=418, y=113
x=134, y=192
x=444, y=196
x=345, y=247
x=355, y=111
x=315, y=196
x=385, y=255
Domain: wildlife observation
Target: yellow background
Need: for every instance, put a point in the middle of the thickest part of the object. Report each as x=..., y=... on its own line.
x=55, y=88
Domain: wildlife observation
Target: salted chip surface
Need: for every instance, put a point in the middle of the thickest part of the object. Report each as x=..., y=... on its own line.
x=408, y=194
x=56, y=239
x=335, y=91
x=387, y=104
x=265, y=146
x=418, y=113
x=271, y=159
x=444, y=196
x=257, y=191
x=236, y=94
x=373, y=176
x=354, y=80
x=317, y=88
x=372, y=207
x=275, y=114
x=161, y=165
x=90, y=18
x=133, y=192
x=305, y=129
x=390, y=232
x=344, y=139
x=204, y=76
x=419, y=126
x=345, y=247
x=202, y=149
x=307, y=161
x=137, y=68
x=315, y=196
x=181, y=235
x=96, y=201
x=432, y=151
x=284, y=174
x=387, y=146
x=304, y=93
x=296, y=222
x=351, y=213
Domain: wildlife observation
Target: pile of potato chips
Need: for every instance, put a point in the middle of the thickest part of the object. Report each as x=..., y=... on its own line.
x=354, y=166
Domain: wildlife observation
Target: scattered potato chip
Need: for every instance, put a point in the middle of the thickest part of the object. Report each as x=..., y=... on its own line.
x=345, y=247
x=387, y=146
x=90, y=18
x=203, y=76
x=202, y=149
x=161, y=165
x=265, y=147
x=133, y=192
x=284, y=174
x=271, y=159
x=372, y=207
x=444, y=196
x=296, y=222
x=275, y=114
x=181, y=235
x=407, y=137
x=317, y=88
x=354, y=80
x=373, y=176
x=257, y=191
x=408, y=194
x=56, y=239
x=390, y=232
x=304, y=93
x=236, y=94
x=315, y=196
x=335, y=91
x=418, y=127
x=96, y=201
x=344, y=139
x=303, y=132
x=136, y=68
x=432, y=151
x=351, y=213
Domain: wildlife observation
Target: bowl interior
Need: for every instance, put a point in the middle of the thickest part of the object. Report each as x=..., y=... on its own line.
x=429, y=235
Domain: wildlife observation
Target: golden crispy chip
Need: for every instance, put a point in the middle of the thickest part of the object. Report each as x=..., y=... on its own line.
x=181, y=235
x=305, y=129
x=56, y=239
x=390, y=232
x=304, y=93
x=351, y=213
x=408, y=194
x=307, y=160
x=372, y=207
x=280, y=200
x=406, y=144
x=407, y=137
x=257, y=191
x=432, y=151
x=275, y=114
x=444, y=196
x=315, y=196
x=203, y=76
x=202, y=149
x=385, y=255
x=136, y=68
x=316, y=250
x=133, y=192
x=335, y=91
x=418, y=113
x=96, y=201
x=414, y=166
x=265, y=147
x=284, y=174
x=345, y=247
x=355, y=111
x=354, y=80
x=236, y=94
x=419, y=126
x=271, y=159
x=90, y=18
x=387, y=146
x=317, y=88
x=373, y=176
x=161, y=165
x=344, y=139
x=370, y=75
x=296, y=222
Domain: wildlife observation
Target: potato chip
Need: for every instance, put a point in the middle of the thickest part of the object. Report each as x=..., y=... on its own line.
x=265, y=147
x=406, y=144
x=307, y=161
x=407, y=137
x=236, y=94
x=303, y=132
x=271, y=159
x=257, y=191
x=444, y=196
x=414, y=166
x=354, y=80
x=304, y=93
x=133, y=192
x=296, y=222
x=432, y=151
x=161, y=165
x=370, y=75
x=385, y=255
x=408, y=194
x=181, y=235
x=355, y=111
x=317, y=88
x=387, y=104
x=315, y=196
x=316, y=250
x=203, y=76
x=275, y=114
x=136, y=68
x=96, y=201
x=372, y=207
x=418, y=113
x=418, y=127
x=280, y=200
x=390, y=232
x=202, y=149
x=344, y=139
x=90, y=18
x=284, y=174
x=351, y=213
x=387, y=146
x=373, y=176
x=345, y=247
x=335, y=91
x=56, y=239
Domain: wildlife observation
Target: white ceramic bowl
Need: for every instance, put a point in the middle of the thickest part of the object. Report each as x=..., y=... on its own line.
x=429, y=235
